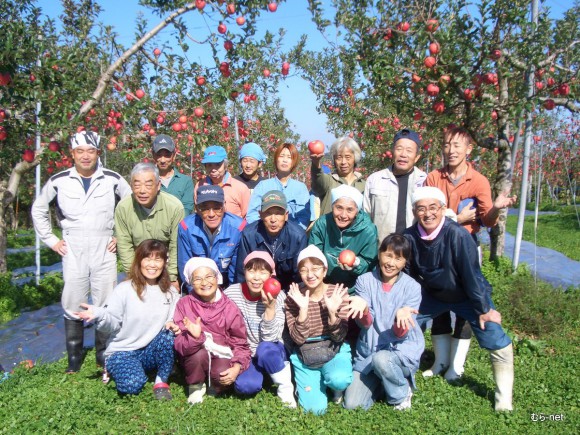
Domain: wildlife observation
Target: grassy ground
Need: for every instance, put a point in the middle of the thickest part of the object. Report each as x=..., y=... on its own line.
x=544, y=323
x=560, y=232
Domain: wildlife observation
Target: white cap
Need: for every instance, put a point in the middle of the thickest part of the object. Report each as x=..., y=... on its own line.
x=345, y=191
x=428, y=192
x=85, y=139
x=195, y=263
x=312, y=251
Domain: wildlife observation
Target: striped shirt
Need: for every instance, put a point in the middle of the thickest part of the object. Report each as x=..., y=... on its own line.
x=316, y=323
x=253, y=310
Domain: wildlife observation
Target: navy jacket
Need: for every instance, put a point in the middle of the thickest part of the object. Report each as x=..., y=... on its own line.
x=291, y=241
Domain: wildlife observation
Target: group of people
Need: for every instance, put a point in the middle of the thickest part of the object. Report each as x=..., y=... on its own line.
x=346, y=327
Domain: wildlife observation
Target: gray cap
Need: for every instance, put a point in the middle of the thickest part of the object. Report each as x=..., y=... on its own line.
x=163, y=142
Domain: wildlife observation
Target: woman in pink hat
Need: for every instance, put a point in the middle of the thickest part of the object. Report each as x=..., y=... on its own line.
x=263, y=312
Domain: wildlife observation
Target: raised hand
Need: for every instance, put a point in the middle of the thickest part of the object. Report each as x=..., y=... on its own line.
x=404, y=318
x=356, y=307
x=194, y=328
x=339, y=294
x=298, y=297
x=503, y=200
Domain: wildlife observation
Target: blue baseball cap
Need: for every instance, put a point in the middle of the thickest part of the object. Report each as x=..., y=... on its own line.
x=408, y=134
x=254, y=151
x=210, y=192
x=214, y=154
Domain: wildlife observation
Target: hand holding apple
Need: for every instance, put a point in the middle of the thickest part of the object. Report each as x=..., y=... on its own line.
x=347, y=260
x=316, y=147
x=272, y=287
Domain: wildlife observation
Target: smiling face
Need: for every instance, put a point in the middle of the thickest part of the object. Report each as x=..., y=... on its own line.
x=344, y=162
x=164, y=160
x=250, y=167
x=152, y=267
x=344, y=212
x=429, y=212
x=274, y=220
x=145, y=188
x=455, y=150
x=312, y=274
x=255, y=278
x=391, y=264
x=85, y=159
x=216, y=171
x=405, y=155
x=211, y=213
x=205, y=283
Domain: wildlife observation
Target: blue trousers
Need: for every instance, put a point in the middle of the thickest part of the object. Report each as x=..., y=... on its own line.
x=389, y=373
x=311, y=384
x=269, y=358
x=129, y=369
x=493, y=337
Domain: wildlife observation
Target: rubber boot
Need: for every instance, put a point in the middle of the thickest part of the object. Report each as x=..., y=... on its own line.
x=74, y=335
x=196, y=393
x=441, y=345
x=457, y=356
x=502, y=363
x=100, y=347
x=285, y=387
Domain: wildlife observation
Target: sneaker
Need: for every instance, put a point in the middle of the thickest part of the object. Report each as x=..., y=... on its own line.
x=196, y=393
x=161, y=391
x=337, y=397
x=406, y=403
x=106, y=378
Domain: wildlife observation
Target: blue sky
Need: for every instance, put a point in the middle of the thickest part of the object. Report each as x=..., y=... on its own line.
x=295, y=94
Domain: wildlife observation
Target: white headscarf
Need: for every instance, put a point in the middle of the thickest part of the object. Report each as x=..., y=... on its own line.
x=195, y=263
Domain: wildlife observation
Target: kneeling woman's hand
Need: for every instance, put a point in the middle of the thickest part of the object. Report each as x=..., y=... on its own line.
x=230, y=375
x=172, y=326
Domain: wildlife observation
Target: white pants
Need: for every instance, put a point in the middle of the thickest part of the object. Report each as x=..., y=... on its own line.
x=87, y=266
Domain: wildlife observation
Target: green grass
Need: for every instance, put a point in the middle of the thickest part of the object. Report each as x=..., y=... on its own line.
x=544, y=323
x=560, y=232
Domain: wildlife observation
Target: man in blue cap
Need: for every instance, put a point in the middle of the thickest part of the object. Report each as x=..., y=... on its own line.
x=210, y=232
x=237, y=195
x=251, y=160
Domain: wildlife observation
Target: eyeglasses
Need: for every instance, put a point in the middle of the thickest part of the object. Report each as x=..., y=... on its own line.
x=210, y=279
x=206, y=210
x=423, y=210
x=314, y=269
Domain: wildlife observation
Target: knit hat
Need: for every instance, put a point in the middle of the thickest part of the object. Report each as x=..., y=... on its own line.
x=254, y=151
x=195, y=263
x=428, y=192
x=163, y=142
x=214, y=154
x=274, y=198
x=264, y=256
x=408, y=134
x=312, y=251
x=210, y=192
x=85, y=139
x=344, y=191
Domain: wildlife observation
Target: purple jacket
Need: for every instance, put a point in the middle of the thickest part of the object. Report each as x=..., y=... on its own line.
x=222, y=319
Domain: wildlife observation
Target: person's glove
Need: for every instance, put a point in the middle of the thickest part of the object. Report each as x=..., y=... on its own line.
x=349, y=268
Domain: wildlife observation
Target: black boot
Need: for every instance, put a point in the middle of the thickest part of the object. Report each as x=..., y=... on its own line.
x=100, y=346
x=74, y=333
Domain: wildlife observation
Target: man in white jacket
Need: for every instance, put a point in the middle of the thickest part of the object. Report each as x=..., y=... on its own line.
x=85, y=197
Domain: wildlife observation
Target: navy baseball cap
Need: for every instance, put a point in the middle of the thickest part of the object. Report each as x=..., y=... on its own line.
x=163, y=142
x=408, y=134
x=210, y=192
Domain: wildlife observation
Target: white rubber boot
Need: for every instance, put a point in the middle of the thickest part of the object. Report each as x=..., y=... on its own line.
x=457, y=356
x=285, y=387
x=441, y=345
x=502, y=363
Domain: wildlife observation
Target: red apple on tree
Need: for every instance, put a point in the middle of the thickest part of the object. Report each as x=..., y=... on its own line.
x=200, y=80
x=403, y=27
x=549, y=104
x=5, y=79
x=176, y=126
x=222, y=28
x=272, y=286
x=231, y=8
x=28, y=155
x=431, y=25
x=157, y=52
x=272, y=7
x=241, y=21
x=53, y=145
x=430, y=61
x=198, y=112
x=200, y=4
x=3, y=133
x=347, y=257
x=266, y=72
x=434, y=48
x=432, y=89
x=316, y=147
x=228, y=45
x=139, y=93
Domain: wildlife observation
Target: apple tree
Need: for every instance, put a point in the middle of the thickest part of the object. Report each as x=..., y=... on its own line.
x=432, y=63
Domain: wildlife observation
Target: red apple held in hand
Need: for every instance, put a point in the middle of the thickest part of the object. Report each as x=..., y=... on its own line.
x=272, y=7
x=272, y=286
x=347, y=257
x=316, y=147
